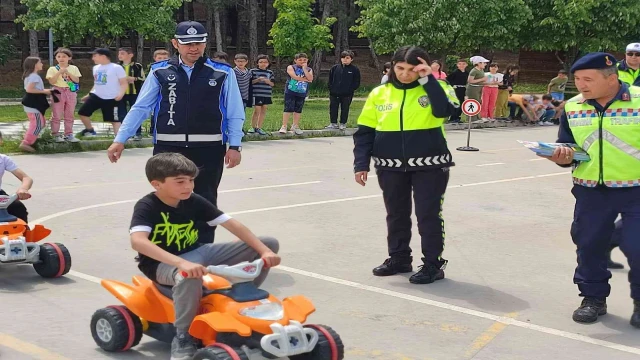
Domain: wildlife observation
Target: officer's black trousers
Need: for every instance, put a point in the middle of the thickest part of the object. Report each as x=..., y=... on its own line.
x=210, y=163
x=428, y=188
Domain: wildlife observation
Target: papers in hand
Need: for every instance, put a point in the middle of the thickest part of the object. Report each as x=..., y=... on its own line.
x=546, y=149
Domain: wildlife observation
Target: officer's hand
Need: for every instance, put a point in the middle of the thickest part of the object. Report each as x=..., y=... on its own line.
x=562, y=155
x=423, y=69
x=232, y=158
x=115, y=151
x=361, y=177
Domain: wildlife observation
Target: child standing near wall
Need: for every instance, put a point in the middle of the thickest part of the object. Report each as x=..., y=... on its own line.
x=35, y=101
x=64, y=77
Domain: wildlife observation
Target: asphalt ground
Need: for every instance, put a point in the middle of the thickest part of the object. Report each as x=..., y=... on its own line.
x=508, y=292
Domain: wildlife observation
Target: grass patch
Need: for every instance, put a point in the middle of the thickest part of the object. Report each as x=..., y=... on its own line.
x=315, y=115
x=530, y=88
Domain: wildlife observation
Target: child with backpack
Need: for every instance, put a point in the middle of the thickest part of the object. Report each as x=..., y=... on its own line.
x=65, y=78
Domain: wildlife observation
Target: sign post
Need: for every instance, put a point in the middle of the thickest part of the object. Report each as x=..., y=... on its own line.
x=470, y=107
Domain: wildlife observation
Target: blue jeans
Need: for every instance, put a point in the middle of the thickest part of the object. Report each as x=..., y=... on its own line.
x=559, y=96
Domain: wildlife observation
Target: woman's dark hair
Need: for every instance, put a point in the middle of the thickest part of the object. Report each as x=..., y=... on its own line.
x=511, y=68
x=410, y=55
x=29, y=66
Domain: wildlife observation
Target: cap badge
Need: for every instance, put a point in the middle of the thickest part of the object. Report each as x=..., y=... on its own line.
x=192, y=31
x=607, y=61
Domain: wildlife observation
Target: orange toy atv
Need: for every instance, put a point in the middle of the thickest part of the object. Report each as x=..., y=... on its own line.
x=18, y=244
x=237, y=320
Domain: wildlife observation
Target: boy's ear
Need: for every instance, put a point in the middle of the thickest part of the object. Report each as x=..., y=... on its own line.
x=156, y=184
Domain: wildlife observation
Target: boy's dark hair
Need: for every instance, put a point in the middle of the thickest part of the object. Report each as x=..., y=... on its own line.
x=128, y=50
x=547, y=97
x=494, y=65
x=410, y=55
x=164, y=165
x=160, y=52
x=63, y=51
x=346, y=53
x=387, y=66
x=462, y=60
x=563, y=71
x=221, y=55
x=300, y=56
x=29, y=66
x=241, y=56
x=263, y=57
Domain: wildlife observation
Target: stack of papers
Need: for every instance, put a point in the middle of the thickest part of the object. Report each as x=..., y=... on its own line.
x=547, y=149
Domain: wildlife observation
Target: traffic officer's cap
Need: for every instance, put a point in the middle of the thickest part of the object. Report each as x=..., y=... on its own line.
x=594, y=60
x=188, y=32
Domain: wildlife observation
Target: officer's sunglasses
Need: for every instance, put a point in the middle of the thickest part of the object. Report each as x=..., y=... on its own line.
x=636, y=54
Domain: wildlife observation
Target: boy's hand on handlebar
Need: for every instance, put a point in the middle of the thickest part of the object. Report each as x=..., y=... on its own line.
x=271, y=259
x=23, y=194
x=191, y=270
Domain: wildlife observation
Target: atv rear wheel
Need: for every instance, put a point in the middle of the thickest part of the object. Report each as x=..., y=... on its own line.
x=55, y=260
x=116, y=328
x=220, y=352
x=329, y=345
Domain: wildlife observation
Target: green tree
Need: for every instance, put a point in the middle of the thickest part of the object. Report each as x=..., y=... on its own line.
x=72, y=20
x=295, y=30
x=7, y=50
x=571, y=27
x=444, y=25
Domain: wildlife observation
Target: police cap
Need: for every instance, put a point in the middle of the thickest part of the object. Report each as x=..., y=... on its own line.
x=188, y=32
x=594, y=60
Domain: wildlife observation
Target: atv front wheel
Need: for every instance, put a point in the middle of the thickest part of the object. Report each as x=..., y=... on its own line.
x=329, y=345
x=220, y=352
x=116, y=328
x=55, y=260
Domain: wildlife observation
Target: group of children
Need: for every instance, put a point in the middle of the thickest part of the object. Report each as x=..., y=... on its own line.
x=115, y=89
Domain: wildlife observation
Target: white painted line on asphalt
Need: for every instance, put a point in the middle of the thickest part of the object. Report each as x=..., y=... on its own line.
x=71, y=211
x=491, y=164
x=541, y=159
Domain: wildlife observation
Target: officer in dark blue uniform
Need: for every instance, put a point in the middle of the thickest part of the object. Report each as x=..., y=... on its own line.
x=197, y=107
x=603, y=120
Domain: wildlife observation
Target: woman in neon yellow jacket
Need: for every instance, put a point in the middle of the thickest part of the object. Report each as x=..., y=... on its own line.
x=401, y=128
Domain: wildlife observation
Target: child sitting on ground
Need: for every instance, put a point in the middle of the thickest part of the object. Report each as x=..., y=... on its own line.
x=17, y=208
x=164, y=254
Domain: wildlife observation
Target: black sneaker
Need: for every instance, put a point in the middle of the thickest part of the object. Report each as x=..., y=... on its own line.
x=635, y=318
x=612, y=264
x=589, y=310
x=427, y=274
x=394, y=265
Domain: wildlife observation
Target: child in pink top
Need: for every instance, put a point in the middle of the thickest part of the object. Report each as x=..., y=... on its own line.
x=436, y=70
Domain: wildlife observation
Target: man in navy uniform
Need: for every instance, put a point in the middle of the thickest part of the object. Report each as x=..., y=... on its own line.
x=603, y=120
x=197, y=109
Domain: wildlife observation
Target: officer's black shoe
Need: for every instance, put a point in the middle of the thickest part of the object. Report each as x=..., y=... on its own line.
x=427, y=274
x=635, y=318
x=611, y=264
x=394, y=265
x=589, y=310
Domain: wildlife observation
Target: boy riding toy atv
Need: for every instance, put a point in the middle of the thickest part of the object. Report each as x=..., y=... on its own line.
x=237, y=320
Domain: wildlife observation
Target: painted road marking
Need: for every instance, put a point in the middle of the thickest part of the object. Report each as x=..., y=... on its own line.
x=29, y=349
x=487, y=337
x=491, y=164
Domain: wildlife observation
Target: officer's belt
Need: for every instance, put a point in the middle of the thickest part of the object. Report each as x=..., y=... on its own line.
x=192, y=137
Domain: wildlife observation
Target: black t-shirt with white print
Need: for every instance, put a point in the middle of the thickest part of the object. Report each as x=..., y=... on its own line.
x=174, y=229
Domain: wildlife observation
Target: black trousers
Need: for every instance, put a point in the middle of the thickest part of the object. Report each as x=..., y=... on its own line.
x=127, y=99
x=17, y=209
x=210, y=162
x=428, y=188
x=457, y=113
x=342, y=101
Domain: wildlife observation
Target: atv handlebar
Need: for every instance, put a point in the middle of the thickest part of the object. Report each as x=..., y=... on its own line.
x=6, y=200
x=241, y=272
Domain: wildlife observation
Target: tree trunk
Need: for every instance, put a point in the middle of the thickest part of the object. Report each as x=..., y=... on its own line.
x=374, y=57
x=317, y=56
x=152, y=49
x=209, y=25
x=223, y=17
x=253, y=32
x=140, y=48
x=170, y=48
x=189, y=13
x=217, y=25
x=239, y=33
x=265, y=35
x=118, y=43
x=33, y=43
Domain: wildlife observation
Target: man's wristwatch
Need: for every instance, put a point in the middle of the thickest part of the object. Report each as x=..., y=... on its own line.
x=236, y=148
